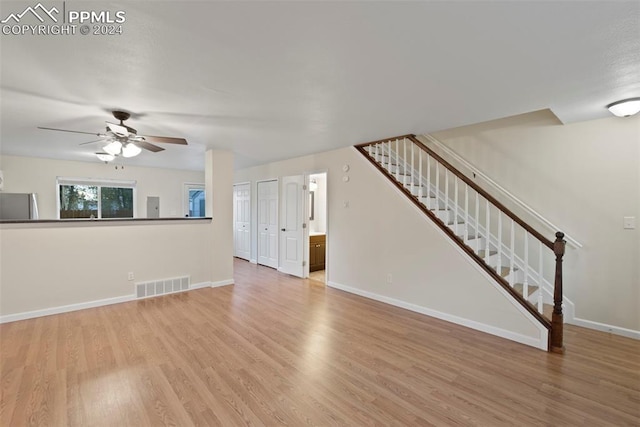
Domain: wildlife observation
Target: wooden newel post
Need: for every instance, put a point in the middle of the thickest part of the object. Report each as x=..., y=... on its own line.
x=557, y=318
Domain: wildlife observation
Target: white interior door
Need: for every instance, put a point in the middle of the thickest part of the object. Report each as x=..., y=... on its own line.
x=241, y=221
x=268, y=223
x=291, y=225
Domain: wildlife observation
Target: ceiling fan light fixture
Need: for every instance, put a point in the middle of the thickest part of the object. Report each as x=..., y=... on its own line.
x=105, y=157
x=625, y=108
x=131, y=150
x=113, y=148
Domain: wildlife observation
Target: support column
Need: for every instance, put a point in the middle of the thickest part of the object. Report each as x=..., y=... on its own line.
x=218, y=174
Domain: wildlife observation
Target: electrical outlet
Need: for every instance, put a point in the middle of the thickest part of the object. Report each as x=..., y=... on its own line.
x=130, y=276
x=629, y=223
x=389, y=278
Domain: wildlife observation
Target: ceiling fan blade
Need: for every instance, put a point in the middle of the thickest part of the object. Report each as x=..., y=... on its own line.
x=147, y=146
x=165, y=140
x=72, y=131
x=91, y=142
x=117, y=129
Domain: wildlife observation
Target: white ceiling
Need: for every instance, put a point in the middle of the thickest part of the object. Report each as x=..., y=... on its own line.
x=275, y=80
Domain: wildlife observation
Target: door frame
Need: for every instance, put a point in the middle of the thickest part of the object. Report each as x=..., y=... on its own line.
x=277, y=180
x=307, y=178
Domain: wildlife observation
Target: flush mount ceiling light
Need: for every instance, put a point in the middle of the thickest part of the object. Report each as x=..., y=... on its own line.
x=105, y=157
x=625, y=108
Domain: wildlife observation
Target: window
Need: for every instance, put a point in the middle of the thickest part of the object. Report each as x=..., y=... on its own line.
x=194, y=200
x=85, y=198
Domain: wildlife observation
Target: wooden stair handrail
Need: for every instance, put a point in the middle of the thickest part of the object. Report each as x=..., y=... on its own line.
x=556, y=324
x=548, y=243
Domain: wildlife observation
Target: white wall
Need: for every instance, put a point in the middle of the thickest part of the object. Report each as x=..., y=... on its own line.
x=380, y=234
x=36, y=175
x=49, y=265
x=52, y=265
x=584, y=177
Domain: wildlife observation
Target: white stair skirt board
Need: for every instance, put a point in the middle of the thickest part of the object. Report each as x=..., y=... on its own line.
x=97, y=303
x=540, y=343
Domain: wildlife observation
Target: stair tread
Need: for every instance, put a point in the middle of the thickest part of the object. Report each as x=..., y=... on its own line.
x=482, y=252
x=504, y=271
x=519, y=287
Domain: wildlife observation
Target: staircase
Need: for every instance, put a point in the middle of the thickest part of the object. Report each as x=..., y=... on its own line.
x=520, y=259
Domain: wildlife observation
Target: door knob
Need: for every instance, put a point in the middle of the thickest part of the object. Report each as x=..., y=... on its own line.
x=265, y=229
x=283, y=229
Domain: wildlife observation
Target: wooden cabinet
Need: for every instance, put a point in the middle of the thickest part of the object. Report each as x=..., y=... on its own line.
x=317, y=250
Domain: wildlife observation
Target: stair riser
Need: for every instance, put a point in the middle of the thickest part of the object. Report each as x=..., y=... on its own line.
x=481, y=241
x=445, y=216
x=430, y=203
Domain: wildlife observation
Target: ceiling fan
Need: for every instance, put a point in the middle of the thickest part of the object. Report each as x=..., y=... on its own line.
x=122, y=140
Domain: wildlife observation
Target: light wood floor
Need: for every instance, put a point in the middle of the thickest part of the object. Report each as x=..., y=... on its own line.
x=318, y=276
x=277, y=350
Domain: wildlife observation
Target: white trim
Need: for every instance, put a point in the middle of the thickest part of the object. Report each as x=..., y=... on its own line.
x=540, y=343
x=617, y=330
x=65, y=308
x=100, y=303
x=500, y=188
x=104, y=182
x=219, y=283
x=253, y=261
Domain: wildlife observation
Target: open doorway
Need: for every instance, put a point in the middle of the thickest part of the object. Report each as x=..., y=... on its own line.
x=317, y=227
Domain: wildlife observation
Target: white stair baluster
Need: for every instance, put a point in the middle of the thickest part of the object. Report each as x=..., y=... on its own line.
x=466, y=213
x=525, y=283
x=389, y=158
x=477, y=224
x=420, y=175
x=512, y=249
x=540, y=277
x=404, y=162
x=499, y=266
x=428, y=175
x=398, y=160
x=487, y=232
x=456, y=204
x=437, y=184
x=446, y=192
x=378, y=157
x=413, y=181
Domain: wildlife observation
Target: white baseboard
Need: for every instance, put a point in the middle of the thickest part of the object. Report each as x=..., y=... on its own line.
x=253, y=261
x=65, y=308
x=99, y=303
x=219, y=283
x=617, y=330
x=540, y=343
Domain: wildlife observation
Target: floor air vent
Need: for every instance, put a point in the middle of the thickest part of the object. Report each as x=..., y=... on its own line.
x=161, y=287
